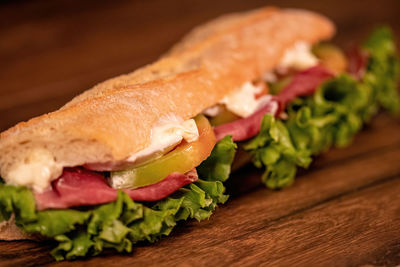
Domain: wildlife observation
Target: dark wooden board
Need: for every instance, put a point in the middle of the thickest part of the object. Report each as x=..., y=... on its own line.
x=344, y=210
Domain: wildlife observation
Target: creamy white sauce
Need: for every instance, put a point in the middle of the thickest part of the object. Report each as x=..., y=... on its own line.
x=243, y=102
x=169, y=132
x=36, y=171
x=298, y=57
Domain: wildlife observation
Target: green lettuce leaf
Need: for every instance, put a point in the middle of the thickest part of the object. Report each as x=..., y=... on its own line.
x=332, y=116
x=383, y=68
x=18, y=200
x=117, y=225
x=217, y=166
x=120, y=224
x=273, y=148
x=51, y=223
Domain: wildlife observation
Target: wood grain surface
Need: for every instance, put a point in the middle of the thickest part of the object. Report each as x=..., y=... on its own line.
x=343, y=211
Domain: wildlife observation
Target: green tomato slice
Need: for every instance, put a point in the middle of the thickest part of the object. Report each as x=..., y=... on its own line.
x=182, y=159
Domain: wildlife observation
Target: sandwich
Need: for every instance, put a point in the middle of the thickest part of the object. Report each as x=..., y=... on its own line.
x=128, y=159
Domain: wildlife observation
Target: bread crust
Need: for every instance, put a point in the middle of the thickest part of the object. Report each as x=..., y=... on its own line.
x=114, y=119
x=10, y=231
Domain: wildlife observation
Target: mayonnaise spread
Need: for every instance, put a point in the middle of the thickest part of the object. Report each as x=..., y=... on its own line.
x=36, y=171
x=169, y=132
x=243, y=102
x=298, y=57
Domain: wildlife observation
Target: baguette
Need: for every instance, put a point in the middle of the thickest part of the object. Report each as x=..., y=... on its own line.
x=118, y=114
x=9, y=231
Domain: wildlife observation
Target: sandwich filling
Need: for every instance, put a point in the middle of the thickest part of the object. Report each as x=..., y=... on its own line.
x=168, y=132
x=39, y=168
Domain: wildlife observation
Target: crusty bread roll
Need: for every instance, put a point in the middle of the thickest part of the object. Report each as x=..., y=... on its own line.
x=113, y=120
x=10, y=231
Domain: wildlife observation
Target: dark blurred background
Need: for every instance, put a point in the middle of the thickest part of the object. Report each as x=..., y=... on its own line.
x=53, y=50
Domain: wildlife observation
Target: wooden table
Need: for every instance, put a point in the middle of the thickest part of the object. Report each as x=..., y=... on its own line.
x=344, y=210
